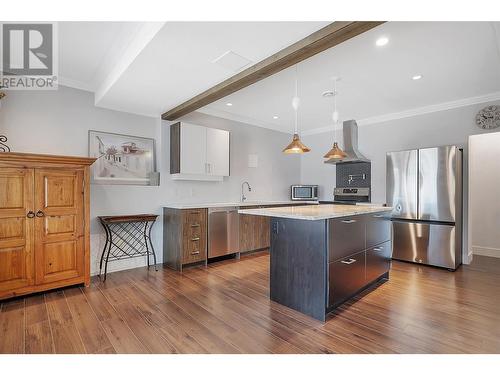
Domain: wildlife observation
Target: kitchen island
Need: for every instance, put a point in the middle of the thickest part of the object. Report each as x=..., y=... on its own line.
x=323, y=255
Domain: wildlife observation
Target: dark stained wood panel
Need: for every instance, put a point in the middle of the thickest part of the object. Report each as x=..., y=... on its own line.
x=175, y=148
x=298, y=265
x=225, y=308
x=319, y=41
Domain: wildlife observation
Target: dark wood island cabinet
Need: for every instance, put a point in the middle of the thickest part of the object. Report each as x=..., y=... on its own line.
x=318, y=262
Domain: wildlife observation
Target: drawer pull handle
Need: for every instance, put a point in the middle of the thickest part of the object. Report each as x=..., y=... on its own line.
x=195, y=253
x=348, y=221
x=195, y=239
x=378, y=216
x=195, y=225
x=378, y=248
x=350, y=261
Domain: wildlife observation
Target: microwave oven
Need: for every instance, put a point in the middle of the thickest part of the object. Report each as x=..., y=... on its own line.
x=304, y=192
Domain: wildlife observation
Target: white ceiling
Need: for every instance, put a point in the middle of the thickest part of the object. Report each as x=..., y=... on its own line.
x=148, y=68
x=87, y=50
x=459, y=62
x=170, y=63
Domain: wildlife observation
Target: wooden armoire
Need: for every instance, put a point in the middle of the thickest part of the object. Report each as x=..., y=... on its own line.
x=44, y=222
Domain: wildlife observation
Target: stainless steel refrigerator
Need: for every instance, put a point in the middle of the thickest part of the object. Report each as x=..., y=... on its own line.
x=424, y=187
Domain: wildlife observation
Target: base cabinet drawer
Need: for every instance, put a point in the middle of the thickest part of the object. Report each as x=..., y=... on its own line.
x=184, y=236
x=378, y=229
x=194, y=239
x=346, y=236
x=378, y=261
x=346, y=276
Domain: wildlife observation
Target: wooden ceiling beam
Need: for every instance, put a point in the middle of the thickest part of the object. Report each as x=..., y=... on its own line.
x=319, y=41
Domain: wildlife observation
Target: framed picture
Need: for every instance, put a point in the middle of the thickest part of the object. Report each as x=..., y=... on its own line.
x=122, y=159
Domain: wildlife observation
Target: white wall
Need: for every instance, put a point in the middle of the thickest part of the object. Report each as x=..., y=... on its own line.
x=452, y=126
x=57, y=122
x=484, y=190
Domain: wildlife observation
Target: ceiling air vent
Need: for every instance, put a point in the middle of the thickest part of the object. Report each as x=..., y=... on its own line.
x=232, y=61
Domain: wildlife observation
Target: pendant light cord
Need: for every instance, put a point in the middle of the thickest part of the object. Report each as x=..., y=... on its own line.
x=334, y=108
x=335, y=100
x=296, y=96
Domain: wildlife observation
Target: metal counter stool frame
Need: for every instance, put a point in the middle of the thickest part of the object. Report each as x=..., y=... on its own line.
x=127, y=237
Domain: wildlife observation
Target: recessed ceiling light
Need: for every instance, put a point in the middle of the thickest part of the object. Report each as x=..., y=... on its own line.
x=417, y=77
x=275, y=117
x=229, y=104
x=382, y=41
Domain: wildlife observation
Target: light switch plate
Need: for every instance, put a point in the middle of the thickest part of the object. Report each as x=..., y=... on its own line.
x=253, y=160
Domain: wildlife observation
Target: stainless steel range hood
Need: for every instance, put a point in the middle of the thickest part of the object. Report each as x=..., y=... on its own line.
x=350, y=131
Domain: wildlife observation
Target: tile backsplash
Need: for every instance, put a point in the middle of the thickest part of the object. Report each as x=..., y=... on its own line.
x=350, y=174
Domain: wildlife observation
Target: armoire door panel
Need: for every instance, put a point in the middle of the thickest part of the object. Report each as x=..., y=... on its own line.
x=16, y=230
x=59, y=227
x=59, y=190
x=12, y=194
x=12, y=264
x=12, y=229
x=60, y=256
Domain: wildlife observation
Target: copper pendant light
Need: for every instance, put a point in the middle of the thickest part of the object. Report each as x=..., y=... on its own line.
x=335, y=152
x=296, y=146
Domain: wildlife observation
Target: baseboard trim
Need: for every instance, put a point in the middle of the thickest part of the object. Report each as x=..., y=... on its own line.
x=486, y=251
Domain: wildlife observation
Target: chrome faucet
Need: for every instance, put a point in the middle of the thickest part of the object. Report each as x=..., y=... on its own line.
x=243, y=198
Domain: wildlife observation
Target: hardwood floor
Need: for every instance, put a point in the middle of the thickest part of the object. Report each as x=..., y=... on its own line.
x=226, y=309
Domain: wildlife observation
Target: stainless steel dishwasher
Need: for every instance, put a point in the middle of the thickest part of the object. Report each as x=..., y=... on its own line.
x=223, y=231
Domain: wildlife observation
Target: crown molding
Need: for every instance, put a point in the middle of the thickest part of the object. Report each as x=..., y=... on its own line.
x=416, y=111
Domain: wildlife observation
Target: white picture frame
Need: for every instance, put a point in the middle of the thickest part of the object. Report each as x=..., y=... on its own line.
x=122, y=159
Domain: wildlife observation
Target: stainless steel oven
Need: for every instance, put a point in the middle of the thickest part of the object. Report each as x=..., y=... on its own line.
x=304, y=192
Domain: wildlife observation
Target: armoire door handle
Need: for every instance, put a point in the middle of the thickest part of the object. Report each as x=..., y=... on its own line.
x=30, y=214
x=40, y=214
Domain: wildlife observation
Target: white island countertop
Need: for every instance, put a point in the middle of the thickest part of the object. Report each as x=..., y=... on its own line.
x=316, y=212
x=182, y=206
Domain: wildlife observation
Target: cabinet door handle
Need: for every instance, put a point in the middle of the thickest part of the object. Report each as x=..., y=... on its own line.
x=348, y=221
x=195, y=225
x=30, y=214
x=350, y=261
x=195, y=253
x=195, y=239
x=378, y=216
x=40, y=214
x=378, y=248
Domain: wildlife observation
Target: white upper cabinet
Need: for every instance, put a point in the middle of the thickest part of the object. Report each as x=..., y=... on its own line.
x=198, y=152
x=193, y=149
x=217, y=152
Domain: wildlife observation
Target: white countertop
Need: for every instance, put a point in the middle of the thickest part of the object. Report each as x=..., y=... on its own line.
x=181, y=206
x=317, y=212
